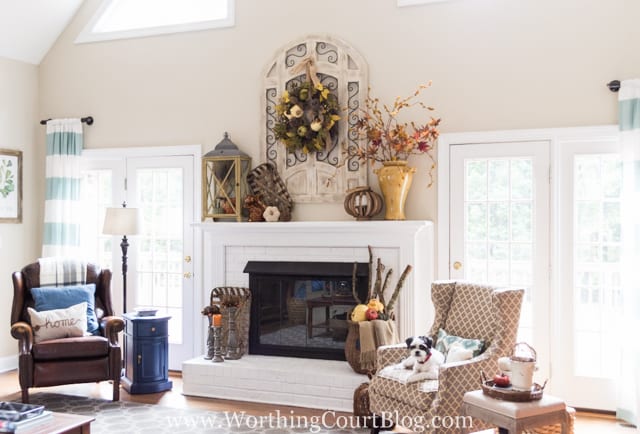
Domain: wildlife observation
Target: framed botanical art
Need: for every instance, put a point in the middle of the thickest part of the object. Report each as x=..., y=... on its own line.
x=10, y=186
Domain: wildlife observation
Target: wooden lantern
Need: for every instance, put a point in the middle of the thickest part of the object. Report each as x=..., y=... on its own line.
x=224, y=181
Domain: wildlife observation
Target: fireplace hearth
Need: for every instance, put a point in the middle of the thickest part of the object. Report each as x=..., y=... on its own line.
x=300, y=309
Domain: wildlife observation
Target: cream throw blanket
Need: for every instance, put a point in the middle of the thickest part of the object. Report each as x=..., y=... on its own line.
x=403, y=375
x=374, y=334
x=57, y=271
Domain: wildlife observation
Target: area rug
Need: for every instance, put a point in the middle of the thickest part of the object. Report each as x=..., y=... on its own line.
x=133, y=418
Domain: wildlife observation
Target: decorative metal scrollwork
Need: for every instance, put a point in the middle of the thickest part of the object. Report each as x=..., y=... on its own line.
x=295, y=54
x=296, y=157
x=327, y=52
x=272, y=152
x=329, y=82
x=353, y=106
x=295, y=81
x=330, y=156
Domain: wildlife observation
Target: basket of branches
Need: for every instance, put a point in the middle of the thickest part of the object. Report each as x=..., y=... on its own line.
x=373, y=316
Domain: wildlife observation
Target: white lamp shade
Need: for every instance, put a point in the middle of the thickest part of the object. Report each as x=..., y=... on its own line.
x=121, y=221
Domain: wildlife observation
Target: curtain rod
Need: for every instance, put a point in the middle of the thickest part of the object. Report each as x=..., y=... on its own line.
x=614, y=85
x=88, y=120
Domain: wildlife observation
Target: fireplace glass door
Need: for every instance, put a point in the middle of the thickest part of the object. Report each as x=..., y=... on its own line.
x=302, y=315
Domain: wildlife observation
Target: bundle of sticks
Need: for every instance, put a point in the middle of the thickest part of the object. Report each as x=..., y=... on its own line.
x=380, y=285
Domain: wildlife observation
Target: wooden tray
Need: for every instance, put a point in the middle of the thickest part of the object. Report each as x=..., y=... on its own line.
x=510, y=394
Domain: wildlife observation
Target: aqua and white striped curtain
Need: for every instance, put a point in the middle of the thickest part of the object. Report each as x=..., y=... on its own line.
x=628, y=407
x=61, y=235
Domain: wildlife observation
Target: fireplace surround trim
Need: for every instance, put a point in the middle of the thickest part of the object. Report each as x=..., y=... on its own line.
x=227, y=247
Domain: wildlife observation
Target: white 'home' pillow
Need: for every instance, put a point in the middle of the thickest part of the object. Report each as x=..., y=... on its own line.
x=59, y=323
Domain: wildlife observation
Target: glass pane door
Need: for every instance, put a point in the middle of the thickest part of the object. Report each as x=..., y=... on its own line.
x=96, y=194
x=500, y=226
x=101, y=187
x=597, y=292
x=589, y=274
x=163, y=191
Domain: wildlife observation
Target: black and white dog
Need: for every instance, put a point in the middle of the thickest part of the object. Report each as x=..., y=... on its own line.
x=423, y=357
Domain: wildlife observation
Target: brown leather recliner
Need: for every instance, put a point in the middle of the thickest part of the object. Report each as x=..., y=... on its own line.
x=69, y=360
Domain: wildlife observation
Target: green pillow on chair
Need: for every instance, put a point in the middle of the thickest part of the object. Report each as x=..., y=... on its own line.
x=445, y=341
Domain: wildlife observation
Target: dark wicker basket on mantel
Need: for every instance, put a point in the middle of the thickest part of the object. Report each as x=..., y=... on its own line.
x=265, y=182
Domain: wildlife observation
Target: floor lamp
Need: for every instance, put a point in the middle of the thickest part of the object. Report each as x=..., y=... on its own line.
x=122, y=221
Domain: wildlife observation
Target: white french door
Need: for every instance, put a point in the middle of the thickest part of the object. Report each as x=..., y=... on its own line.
x=507, y=222
x=161, y=267
x=499, y=226
x=160, y=273
x=102, y=186
x=586, y=342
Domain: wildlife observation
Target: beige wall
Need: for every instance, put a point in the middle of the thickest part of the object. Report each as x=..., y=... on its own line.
x=19, y=243
x=495, y=64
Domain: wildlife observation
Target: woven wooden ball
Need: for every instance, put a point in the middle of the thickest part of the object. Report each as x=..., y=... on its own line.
x=362, y=203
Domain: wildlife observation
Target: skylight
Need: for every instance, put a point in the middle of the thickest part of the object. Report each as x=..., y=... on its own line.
x=118, y=19
x=402, y=3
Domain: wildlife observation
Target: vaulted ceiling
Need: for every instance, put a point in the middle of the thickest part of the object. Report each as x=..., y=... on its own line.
x=29, y=28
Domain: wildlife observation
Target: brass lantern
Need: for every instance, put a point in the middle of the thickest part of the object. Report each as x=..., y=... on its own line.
x=224, y=181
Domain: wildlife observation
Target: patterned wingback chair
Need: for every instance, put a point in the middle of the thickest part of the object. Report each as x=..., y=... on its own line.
x=463, y=309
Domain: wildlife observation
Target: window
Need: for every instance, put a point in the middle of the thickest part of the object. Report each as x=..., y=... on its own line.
x=120, y=19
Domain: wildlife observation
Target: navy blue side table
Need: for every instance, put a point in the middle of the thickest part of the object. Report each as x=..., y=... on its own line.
x=146, y=354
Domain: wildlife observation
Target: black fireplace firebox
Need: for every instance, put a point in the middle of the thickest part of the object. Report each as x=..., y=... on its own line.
x=300, y=309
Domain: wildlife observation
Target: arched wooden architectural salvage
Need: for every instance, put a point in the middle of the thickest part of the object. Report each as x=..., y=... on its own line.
x=318, y=176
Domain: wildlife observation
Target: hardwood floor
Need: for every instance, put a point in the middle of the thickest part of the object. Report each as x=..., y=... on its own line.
x=10, y=390
x=586, y=423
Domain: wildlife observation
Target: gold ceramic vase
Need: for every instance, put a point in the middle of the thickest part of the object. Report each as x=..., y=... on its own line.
x=395, y=181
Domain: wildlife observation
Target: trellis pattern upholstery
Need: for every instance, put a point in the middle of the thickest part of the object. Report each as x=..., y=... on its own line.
x=463, y=309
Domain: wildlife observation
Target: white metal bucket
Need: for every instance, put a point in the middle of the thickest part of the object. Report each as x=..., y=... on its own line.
x=522, y=374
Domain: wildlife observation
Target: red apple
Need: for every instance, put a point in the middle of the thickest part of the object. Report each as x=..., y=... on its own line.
x=501, y=380
x=371, y=314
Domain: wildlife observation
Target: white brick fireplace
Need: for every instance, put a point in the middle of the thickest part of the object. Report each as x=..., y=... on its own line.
x=227, y=247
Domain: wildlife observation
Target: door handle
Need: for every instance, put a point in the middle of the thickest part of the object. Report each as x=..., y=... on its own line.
x=457, y=265
x=187, y=275
x=187, y=259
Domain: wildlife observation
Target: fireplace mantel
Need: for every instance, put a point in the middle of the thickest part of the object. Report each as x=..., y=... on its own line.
x=227, y=246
